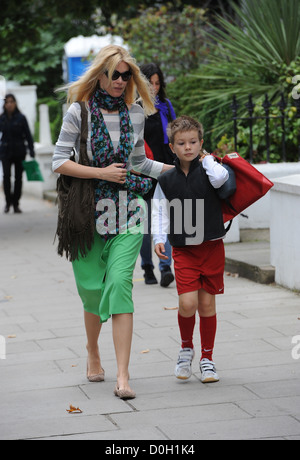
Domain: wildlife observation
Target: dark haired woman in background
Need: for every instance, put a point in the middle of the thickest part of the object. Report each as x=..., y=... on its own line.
x=15, y=131
x=156, y=137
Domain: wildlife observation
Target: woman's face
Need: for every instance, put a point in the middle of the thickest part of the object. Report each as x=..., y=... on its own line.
x=154, y=80
x=115, y=87
x=10, y=105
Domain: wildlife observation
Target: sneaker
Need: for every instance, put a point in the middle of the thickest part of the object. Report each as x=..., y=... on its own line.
x=208, y=371
x=166, y=277
x=149, y=275
x=183, y=369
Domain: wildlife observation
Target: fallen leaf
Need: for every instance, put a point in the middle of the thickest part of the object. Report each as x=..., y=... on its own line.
x=145, y=351
x=74, y=410
x=170, y=308
x=8, y=297
x=11, y=336
x=234, y=275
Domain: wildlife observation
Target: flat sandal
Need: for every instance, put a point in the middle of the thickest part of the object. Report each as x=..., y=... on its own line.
x=124, y=394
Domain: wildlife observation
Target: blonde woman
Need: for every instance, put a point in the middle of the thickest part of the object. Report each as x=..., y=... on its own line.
x=115, y=147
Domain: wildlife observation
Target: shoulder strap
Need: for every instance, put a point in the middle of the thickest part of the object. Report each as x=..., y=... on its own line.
x=83, y=157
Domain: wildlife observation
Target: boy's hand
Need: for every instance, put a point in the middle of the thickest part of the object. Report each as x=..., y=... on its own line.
x=203, y=155
x=159, y=250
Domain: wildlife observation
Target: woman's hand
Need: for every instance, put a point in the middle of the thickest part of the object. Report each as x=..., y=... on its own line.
x=115, y=172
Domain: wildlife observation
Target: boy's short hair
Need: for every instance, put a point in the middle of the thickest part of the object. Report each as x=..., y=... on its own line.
x=184, y=124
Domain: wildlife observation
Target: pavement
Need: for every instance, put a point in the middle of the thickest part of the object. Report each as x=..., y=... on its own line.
x=41, y=325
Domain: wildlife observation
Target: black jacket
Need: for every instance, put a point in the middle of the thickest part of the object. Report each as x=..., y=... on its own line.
x=15, y=132
x=188, y=191
x=154, y=136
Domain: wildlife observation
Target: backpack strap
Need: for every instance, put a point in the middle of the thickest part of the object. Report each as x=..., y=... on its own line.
x=230, y=222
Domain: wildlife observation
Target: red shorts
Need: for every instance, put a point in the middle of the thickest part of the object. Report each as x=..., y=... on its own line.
x=200, y=267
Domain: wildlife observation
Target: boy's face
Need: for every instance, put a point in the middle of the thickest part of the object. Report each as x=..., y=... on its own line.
x=187, y=145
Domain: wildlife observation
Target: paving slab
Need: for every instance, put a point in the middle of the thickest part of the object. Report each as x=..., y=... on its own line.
x=41, y=320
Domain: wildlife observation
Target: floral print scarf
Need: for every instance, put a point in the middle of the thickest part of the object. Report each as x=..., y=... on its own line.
x=115, y=205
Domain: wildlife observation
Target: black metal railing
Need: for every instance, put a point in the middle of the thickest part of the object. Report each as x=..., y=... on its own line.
x=282, y=105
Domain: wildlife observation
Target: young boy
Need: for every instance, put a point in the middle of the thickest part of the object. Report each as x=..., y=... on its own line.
x=189, y=191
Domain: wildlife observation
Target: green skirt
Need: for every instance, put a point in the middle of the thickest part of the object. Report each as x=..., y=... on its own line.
x=104, y=276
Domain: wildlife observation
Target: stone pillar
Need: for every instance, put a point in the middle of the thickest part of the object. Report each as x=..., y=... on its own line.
x=45, y=132
x=44, y=151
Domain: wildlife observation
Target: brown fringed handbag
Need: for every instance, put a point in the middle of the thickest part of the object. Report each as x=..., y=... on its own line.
x=76, y=207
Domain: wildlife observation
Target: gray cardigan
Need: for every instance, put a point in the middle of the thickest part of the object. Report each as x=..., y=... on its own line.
x=69, y=139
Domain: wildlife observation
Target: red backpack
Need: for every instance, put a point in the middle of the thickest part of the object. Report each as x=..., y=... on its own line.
x=251, y=185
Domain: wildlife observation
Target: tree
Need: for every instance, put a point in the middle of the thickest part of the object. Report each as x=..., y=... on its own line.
x=166, y=35
x=33, y=34
x=256, y=52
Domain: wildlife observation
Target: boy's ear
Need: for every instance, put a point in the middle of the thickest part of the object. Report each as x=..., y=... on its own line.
x=171, y=147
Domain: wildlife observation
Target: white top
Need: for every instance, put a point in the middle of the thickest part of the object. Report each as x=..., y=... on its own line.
x=217, y=176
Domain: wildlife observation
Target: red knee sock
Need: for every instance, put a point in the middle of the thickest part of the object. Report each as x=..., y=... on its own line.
x=186, y=327
x=208, y=328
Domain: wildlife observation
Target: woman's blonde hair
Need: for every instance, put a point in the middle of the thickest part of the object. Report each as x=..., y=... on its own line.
x=108, y=59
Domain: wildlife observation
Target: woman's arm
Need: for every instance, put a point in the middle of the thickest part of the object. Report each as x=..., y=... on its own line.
x=67, y=141
x=112, y=173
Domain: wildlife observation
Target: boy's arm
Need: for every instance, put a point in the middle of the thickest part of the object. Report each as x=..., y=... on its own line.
x=159, y=221
x=217, y=175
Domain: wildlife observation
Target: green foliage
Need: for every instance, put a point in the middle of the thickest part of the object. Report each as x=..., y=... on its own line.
x=256, y=52
x=33, y=34
x=181, y=92
x=292, y=126
x=34, y=61
x=167, y=35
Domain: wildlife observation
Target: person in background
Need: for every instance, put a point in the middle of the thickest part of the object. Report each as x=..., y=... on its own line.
x=157, y=141
x=15, y=133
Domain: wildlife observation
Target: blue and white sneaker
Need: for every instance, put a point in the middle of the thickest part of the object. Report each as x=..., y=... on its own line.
x=208, y=371
x=183, y=369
